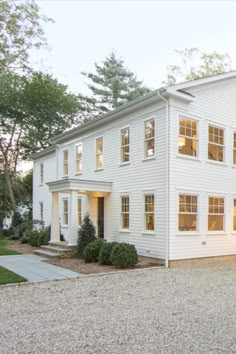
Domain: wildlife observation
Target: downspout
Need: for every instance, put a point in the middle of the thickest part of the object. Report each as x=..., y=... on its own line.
x=167, y=179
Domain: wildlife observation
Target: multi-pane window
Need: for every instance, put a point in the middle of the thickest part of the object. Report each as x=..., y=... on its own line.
x=41, y=173
x=41, y=213
x=234, y=149
x=99, y=153
x=149, y=212
x=215, y=143
x=149, y=138
x=125, y=145
x=234, y=215
x=79, y=211
x=188, y=212
x=65, y=162
x=79, y=158
x=65, y=212
x=216, y=214
x=125, y=212
x=188, y=137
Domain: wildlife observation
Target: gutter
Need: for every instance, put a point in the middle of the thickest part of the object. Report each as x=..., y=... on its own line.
x=159, y=93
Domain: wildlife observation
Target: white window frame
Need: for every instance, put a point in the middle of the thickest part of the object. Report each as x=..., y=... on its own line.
x=65, y=199
x=146, y=231
x=214, y=232
x=123, y=146
x=123, y=213
x=78, y=159
x=188, y=117
x=216, y=144
x=186, y=232
x=234, y=147
x=65, y=163
x=41, y=173
x=145, y=121
x=98, y=154
x=41, y=213
x=79, y=199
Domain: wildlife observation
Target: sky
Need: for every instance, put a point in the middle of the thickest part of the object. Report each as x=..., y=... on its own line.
x=144, y=33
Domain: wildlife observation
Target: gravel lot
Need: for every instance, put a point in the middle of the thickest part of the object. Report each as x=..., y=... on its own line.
x=187, y=310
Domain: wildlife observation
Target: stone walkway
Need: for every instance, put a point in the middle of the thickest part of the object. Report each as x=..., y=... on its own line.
x=34, y=269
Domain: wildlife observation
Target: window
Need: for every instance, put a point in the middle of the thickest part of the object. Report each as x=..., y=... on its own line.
x=41, y=173
x=79, y=211
x=41, y=213
x=215, y=143
x=234, y=215
x=149, y=212
x=125, y=212
x=66, y=162
x=149, y=140
x=216, y=214
x=188, y=138
x=99, y=153
x=65, y=212
x=79, y=158
x=125, y=145
x=234, y=149
x=188, y=212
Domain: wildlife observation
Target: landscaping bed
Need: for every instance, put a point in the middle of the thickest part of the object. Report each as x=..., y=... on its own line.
x=23, y=248
x=8, y=277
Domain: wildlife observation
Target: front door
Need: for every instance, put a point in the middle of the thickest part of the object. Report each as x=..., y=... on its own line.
x=101, y=217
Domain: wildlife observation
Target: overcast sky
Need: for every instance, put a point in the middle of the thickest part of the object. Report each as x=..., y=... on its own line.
x=143, y=33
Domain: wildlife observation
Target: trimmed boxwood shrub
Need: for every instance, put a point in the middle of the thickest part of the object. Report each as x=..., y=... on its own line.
x=124, y=255
x=37, y=238
x=105, y=252
x=92, y=251
x=87, y=234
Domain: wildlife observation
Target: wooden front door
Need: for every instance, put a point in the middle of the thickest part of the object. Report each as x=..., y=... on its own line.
x=101, y=217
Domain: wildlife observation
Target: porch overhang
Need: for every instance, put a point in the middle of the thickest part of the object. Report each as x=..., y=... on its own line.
x=80, y=185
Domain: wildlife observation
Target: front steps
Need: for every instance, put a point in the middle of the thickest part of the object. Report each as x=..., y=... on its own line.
x=53, y=250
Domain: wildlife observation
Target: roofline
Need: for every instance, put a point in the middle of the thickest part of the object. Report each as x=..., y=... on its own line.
x=44, y=152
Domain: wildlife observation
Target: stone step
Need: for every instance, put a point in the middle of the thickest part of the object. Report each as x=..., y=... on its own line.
x=55, y=249
x=63, y=245
x=46, y=254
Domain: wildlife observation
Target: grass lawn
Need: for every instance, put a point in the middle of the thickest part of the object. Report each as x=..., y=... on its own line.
x=7, y=277
x=4, y=251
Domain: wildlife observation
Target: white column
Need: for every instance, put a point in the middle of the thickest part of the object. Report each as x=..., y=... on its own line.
x=73, y=219
x=55, y=230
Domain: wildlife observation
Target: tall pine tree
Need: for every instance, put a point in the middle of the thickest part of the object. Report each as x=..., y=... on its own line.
x=112, y=85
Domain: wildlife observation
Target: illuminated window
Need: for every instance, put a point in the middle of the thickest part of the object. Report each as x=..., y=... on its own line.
x=216, y=214
x=188, y=212
x=188, y=138
x=41, y=173
x=149, y=214
x=234, y=149
x=125, y=212
x=125, y=145
x=65, y=212
x=65, y=162
x=99, y=153
x=79, y=158
x=215, y=143
x=79, y=211
x=149, y=140
x=41, y=213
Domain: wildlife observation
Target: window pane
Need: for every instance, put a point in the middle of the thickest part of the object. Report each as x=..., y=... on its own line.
x=187, y=146
x=66, y=171
x=78, y=166
x=149, y=203
x=234, y=157
x=125, y=221
x=215, y=222
x=65, y=155
x=99, y=143
x=79, y=211
x=149, y=148
x=99, y=161
x=234, y=223
x=216, y=135
x=187, y=222
x=125, y=136
x=149, y=129
x=150, y=222
x=125, y=154
x=215, y=152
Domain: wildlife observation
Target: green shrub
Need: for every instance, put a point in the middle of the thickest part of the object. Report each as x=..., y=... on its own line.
x=105, y=252
x=124, y=255
x=87, y=234
x=36, y=238
x=19, y=230
x=91, y=252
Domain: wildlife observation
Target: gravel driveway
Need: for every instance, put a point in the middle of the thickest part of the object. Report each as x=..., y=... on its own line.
x=188, y=310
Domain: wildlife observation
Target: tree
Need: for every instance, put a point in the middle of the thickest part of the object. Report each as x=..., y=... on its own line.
x=20, y=31
x=195, y=65
x=112, y=85
x=87, y=234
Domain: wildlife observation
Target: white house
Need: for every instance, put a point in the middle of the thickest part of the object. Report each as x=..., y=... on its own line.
x=158, y=172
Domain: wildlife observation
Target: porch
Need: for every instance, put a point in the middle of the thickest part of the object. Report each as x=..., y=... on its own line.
x=97, y=193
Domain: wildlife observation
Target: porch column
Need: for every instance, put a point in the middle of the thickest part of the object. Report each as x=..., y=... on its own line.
x=73, y=222
x=55, y=229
